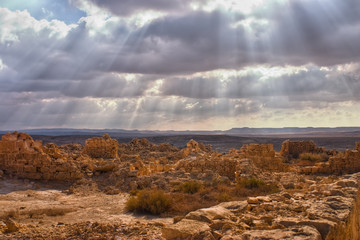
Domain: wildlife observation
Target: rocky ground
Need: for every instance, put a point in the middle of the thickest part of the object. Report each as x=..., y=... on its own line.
x=106, y=190
x=32, y=210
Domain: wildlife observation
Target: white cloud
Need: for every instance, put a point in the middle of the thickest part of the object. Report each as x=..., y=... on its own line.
x=15, y=24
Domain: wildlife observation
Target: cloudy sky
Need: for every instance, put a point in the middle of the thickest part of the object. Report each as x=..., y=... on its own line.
x=179, y=64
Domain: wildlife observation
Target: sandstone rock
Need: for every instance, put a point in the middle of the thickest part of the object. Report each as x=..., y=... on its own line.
x=185, y=229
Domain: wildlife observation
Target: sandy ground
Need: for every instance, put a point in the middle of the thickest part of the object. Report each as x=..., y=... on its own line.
x=39, y=206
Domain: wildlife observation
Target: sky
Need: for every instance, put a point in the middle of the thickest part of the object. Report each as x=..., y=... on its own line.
x=179, y=64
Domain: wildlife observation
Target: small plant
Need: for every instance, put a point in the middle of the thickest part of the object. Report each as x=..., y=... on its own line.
x=251, y=183
x=253, y=187
x=314, y=157
x=190, y=187
x=149, y=201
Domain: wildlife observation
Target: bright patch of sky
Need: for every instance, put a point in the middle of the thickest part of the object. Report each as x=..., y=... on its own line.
x=46, y=9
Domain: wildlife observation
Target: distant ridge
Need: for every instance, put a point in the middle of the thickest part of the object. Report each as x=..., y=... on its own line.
x=348, y=131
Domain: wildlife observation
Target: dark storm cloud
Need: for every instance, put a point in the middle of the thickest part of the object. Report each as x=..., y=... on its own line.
x=321, y=32
x=193, y=42
x=199, y=108
x=311, y=83
x=49, y=77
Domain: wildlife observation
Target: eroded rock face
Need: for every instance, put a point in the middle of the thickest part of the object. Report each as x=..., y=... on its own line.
x=23, y=157
x=101, y=147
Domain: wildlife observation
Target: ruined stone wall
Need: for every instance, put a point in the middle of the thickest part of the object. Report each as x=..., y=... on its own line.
x=23, y=157
x=262, y=156
x=258, y=150
x=223, y=167
x=340, y=164
x=357, y=146
x=150, y=167
x=295, y=148
x=101, y=147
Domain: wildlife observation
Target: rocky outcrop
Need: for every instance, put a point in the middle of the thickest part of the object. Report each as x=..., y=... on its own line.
x=23, y=157
x=101, y=147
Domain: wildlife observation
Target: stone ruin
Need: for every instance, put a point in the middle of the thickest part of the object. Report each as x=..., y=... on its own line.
x=101, y=147
x=293, y=149
x=348, y=162
x=258, y=150
x=23, y=157
x=323, y=211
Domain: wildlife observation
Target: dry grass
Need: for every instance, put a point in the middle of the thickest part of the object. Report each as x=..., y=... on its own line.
x=314, y=157
x=149, y=201
x=193, y=195
x=190, y=187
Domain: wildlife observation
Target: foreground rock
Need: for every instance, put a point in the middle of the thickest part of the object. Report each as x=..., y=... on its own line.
x=330, y=210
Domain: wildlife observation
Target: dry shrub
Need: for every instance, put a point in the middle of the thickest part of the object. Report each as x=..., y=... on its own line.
x=149, y=201
x=314, y=157
x=251, y=183
x=184, y=203
x=190, y=187
x=254, y=187
x=224, y=197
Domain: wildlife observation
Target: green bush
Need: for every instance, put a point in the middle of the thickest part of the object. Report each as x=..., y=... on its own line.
x=149, y=201
x=314, y=157
x=190, y=187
